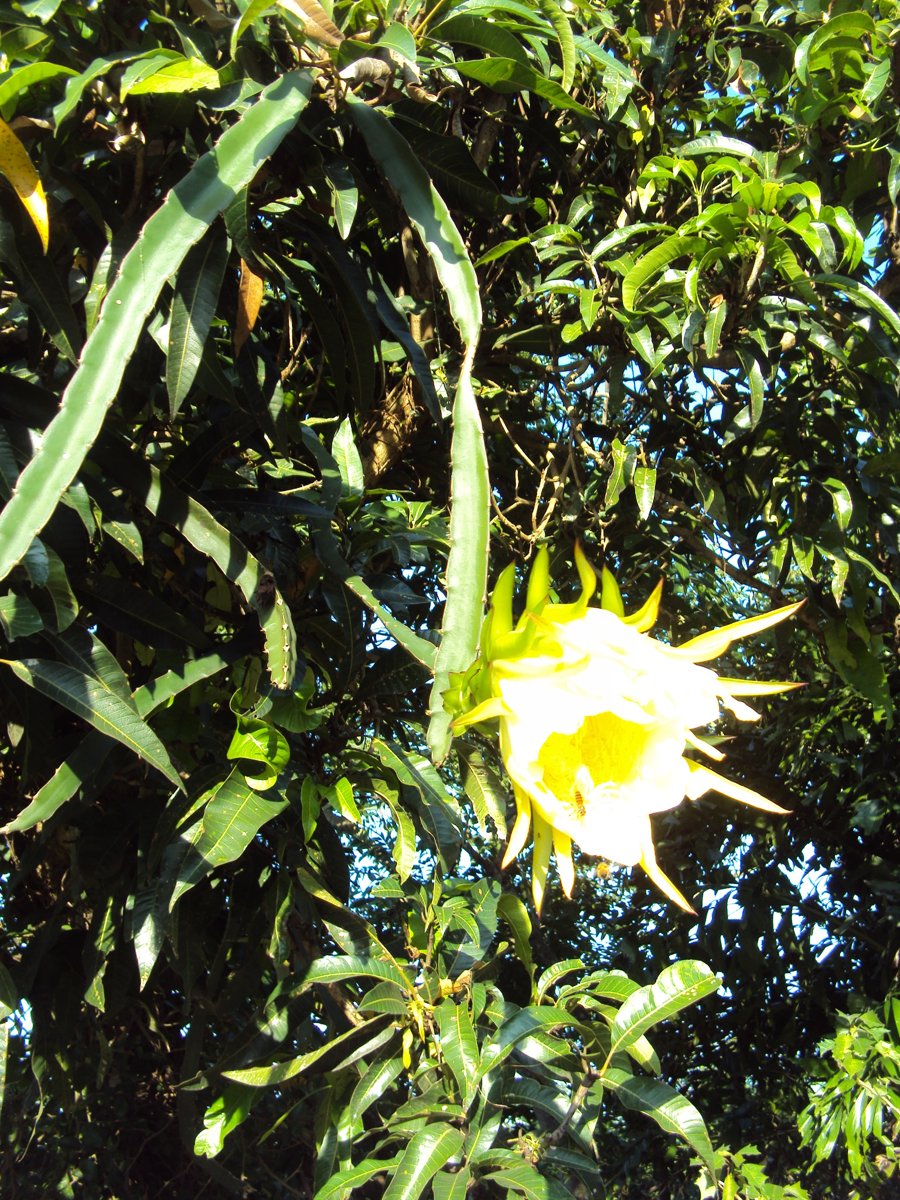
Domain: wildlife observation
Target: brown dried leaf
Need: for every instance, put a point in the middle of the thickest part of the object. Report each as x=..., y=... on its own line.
x=315, y=20
x=250, y=295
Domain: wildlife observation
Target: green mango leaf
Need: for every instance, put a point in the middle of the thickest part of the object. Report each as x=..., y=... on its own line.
x=466, y=29
x=339, y=967
x=451, y=1186
x=233, y=815
x=526, y=1180
x=185, y=75
x=343, y=1050
x=484, y=788
x=669, y=1110
x=554, y=973
x=621, y=473
x=346, y=455
x=520, y=1026
x=19, y=617
x=224, y=1114
x=428, y=1150
x=459, y=1046
x=654, y=263
x=22, y=78
x=87, y=698
x=342, y=1184
x=197, y=288
x=507, y=75
x=644, y=484
x=427, y=212
x=263, y=744
x=423, y=651
x=376, y=1080
x=678, y=986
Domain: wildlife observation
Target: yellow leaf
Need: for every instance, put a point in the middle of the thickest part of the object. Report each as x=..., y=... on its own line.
x=19, y=170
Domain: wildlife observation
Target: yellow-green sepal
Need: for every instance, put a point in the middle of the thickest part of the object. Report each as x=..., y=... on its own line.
x=466, y=689
x=563, y=613
x=499, y=620
x=587, y=574
x=645, y=617
x=610, y=595
x=488, y=710
x=538, y=582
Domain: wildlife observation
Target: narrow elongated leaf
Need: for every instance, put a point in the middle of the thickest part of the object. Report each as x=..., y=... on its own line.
x=484, y=788
x=622, y=464
x=525, y=1022
x=563, y=31
x=678, y=986
x=464, y=29
x=654, y=262
x=197, y=288
x=374, y=1083
x=864, y=296
x=164, y=241
x=346, y=455
x=459, y=1047
x=507, y=75
x=43, y=291
x=361, y=1039
x=671, y=1111
x=514, y=912
x=644, y=489
x=183, y=75
x=451, y=1186
x=713, y=326
x=404, y=848
x=150, y=924
x=718, y=143
x=847, y=30
x=81, y=764
x=101, y=940
x=437, y=807
x=224, y=1114
x=87, y=698
x=337, y=968
x=345, y=195
x=553, y=1100
x=427, y=212
x=85, y=652
x=428, y=1150
x=25, y=77
x=425, y=652
x=234, y=814
x=18, y=617
x=557, y=971
x=19, y=170
x=526, y=1180
x=396, y=323
x=169, y=503
x=343, y=1183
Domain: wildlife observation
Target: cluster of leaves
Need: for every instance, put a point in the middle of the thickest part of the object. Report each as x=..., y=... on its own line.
x=858, y=1102
x=617, y=272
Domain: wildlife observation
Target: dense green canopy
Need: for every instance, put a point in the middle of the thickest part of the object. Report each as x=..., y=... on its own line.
x=343, y=312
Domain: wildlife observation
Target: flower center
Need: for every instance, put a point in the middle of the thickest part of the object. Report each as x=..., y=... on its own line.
x=596, y=762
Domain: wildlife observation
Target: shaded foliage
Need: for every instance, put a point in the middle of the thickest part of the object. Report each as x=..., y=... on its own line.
x=252, y=936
